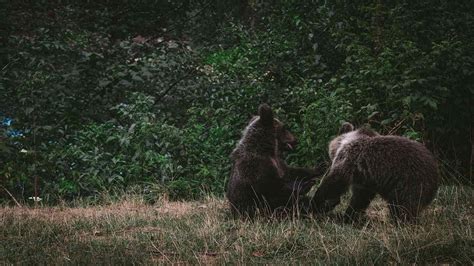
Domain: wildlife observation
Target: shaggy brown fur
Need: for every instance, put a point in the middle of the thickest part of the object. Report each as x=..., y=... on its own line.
x=402, y=171
x=260, y=178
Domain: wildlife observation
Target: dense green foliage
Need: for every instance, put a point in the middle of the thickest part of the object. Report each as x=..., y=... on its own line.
x=108, y=95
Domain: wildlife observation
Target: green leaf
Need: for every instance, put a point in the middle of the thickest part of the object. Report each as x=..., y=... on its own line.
x=432, y=104
x=386, y=121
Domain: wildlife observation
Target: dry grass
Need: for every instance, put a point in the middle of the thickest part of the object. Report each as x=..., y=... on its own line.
x=130, y=231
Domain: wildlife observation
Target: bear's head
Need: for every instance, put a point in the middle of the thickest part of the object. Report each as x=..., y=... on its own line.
x=348, y=134
x=266, y=134
x=283, y=137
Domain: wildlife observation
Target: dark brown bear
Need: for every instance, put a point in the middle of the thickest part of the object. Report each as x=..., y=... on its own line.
x=403, y=172
x=260, y=179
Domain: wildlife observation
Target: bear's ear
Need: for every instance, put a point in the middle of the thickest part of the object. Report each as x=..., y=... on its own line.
x=266, y=114
x=346, y=127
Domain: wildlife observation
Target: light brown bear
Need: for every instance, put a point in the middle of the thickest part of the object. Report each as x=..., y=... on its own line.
x=402, y=171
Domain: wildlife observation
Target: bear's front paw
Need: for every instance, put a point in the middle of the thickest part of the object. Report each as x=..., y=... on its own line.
x=324, y=205
x=330, y=204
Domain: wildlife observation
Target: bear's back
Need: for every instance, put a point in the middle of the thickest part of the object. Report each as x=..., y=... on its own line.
x=392, y=151
x=398, y=163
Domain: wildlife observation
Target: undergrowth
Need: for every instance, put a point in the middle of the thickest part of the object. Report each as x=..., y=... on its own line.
x=132, y=231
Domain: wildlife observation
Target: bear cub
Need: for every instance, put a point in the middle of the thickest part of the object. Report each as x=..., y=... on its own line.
x=403, y=172
x=260, y=179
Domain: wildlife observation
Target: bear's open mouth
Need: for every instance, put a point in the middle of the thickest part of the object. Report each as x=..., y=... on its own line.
x=286, y=145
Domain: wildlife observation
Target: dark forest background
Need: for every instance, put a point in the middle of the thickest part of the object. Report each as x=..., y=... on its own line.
x=151, y=96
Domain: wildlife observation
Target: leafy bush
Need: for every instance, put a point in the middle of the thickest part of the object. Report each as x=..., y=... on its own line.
x=108, y=100
x=139, y=148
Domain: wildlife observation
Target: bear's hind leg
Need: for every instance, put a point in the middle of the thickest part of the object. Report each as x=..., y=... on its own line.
x=402, y=212
x=360, y=200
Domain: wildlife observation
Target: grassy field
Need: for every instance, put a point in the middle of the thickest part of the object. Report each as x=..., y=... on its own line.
x=130, y=231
